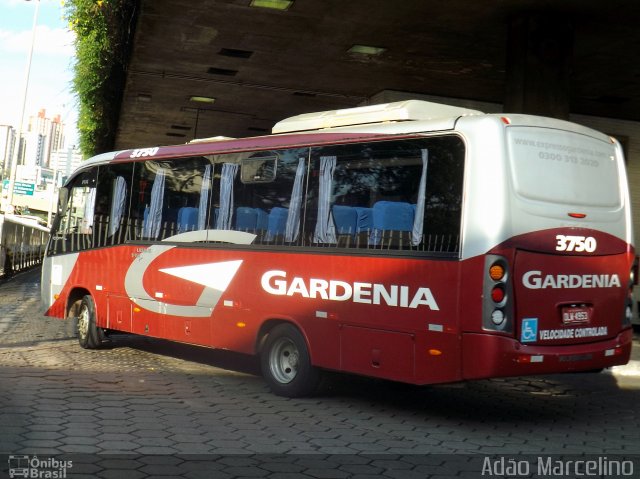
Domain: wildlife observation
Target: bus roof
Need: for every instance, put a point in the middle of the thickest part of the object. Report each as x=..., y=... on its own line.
x=369, y=123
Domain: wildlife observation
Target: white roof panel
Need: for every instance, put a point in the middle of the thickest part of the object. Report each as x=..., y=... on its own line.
x=409, y=110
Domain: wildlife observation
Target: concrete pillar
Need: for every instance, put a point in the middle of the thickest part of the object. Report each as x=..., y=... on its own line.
x=539, y=51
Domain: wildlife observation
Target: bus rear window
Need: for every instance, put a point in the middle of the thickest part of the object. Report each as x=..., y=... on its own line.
x=556, y=166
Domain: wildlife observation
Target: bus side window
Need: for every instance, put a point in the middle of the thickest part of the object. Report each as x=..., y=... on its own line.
x=147, y=200
x=269, y=196
x=171, y=197
x=402, y=195
x=188, y=195
x=367, y=194
x=112, y=207
x=74, y=231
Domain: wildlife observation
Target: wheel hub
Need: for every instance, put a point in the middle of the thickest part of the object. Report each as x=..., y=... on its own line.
x=284, y=360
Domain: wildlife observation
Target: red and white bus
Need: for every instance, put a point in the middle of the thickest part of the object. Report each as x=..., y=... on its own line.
x=410, y=241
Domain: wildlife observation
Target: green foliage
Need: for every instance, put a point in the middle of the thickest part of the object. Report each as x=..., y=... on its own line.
x=104, y=32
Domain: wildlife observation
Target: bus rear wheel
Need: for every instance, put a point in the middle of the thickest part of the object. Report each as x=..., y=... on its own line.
x=89, y=335
x=286, y=364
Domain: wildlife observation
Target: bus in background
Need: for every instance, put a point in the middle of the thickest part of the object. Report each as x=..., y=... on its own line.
x=410, y=241
x=23, y=240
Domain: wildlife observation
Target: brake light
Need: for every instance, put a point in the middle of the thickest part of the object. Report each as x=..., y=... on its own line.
x=497, y=294
x=628, y=306
x=617, y=351
x=528, y=359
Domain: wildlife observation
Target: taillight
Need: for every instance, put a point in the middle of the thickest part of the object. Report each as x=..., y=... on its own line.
x=497, y=317
x=497, y=294
x=628, y=305
x=496, y=272
x=497, y=302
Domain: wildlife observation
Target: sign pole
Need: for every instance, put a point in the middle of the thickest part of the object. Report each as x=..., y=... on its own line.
x=14, y=163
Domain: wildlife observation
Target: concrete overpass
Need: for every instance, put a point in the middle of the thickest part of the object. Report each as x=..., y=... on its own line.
x=261, y=65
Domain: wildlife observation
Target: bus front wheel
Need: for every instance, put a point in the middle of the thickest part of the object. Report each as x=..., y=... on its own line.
x=286, y=364
x=89, y=335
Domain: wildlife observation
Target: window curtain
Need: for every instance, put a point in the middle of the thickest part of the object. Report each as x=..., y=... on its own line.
x=292, y=228
x=418, y=220
x=204, y=198
x=89, y=207
x=229, y=171
x=153, y=220
x=118, y=198
x=325, y=229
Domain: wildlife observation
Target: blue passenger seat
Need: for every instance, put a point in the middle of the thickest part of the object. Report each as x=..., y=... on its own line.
x=365, y=219
x=392, y=224
x=392, y=216
x=187, y=219
x=262, y=216
x=277, y=222
x=346, y=219
x=246, y=219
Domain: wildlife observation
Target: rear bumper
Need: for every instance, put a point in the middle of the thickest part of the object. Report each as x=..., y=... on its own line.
x=486, y=355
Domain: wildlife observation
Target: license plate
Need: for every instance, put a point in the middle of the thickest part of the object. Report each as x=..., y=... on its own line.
x=576, y=314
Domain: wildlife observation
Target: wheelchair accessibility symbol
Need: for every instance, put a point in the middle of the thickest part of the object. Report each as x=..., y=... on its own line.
x=529, y=330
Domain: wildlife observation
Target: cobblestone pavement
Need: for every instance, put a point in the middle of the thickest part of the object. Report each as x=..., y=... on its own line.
x=149, y=408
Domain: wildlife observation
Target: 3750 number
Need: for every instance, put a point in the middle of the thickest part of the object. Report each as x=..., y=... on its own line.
x=142, y=152
x=576, y=243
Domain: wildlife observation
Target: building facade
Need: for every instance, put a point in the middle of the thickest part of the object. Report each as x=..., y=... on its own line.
x=7, y=147
x=51, y=131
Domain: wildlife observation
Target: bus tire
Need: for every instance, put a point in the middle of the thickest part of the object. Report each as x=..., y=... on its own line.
x=286, y=364
x=89, y=335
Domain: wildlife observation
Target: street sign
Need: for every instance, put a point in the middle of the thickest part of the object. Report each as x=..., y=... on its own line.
x=22, y=188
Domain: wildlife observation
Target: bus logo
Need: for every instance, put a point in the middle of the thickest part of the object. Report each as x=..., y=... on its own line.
x=26, y=466
x=275, y=282
x=18, y=466
x=529, y=330
x=215, y=277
